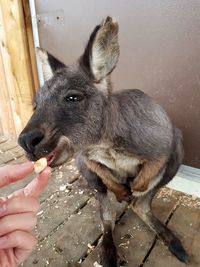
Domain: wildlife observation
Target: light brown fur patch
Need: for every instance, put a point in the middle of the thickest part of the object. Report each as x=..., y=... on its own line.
x=121, y=192
x=148, y=171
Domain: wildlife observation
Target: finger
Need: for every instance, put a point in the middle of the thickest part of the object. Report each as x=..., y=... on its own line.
x=36, y=186
x=13, y=173
x=20, y=221
x=23, y=242
x=19, y=204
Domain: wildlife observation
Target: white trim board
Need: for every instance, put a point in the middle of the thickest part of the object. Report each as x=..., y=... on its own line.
x=36, y=38
x=187, y=181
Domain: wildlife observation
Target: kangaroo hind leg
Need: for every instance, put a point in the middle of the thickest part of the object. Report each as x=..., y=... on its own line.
x=108, y=216
x=142, y=207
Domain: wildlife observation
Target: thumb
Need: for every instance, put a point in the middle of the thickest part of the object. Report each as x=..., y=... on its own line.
x=36, y=186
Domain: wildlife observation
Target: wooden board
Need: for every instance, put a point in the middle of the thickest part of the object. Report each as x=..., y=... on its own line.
x=11, y=155
x=60, y=206
x=69, y=243
x=60, y=177
x=7, y=116
x=186, y=223
x=7, y=145
x=133, y=238
x=17, y=83
x=31, y=47
x=70, y=240
x=3, y=139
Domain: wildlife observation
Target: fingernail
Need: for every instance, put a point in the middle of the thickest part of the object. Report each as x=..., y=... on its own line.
x=28, y=163
x=3, y=240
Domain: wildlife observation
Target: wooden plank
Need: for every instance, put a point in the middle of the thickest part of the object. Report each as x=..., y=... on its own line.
x=9, y=151
x=186, y=223
x=31, y=47
x=133, y=238
x=6, y=113
x=6, y=109
x=19, y=160
x=1, y=125
x=11, y=155
x=9, y=144
x=9, y=119
x=70, y=242
x=20, y=86
x=60, y=206
x=61, y=176
x=3, y=139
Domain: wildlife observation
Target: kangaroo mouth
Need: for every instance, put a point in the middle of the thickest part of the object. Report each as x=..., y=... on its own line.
x=51, y=157
x=61, y=154
x=57, y=154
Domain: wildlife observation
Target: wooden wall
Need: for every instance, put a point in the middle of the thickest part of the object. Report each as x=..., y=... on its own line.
x=18, y=72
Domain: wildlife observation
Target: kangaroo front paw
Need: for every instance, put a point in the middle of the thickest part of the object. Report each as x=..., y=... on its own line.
x=121, y=198
x=123, y=193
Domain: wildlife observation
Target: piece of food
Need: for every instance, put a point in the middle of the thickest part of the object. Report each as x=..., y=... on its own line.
x=40, y=165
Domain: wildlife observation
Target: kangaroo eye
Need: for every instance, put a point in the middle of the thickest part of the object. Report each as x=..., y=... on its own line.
x=74, y=97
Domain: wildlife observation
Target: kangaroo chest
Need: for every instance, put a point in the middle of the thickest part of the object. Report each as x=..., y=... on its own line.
x=122, y=165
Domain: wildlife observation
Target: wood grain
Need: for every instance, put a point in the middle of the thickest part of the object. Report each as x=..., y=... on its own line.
x=16, y=70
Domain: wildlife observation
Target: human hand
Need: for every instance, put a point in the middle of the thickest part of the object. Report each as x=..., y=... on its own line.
x=18, y=213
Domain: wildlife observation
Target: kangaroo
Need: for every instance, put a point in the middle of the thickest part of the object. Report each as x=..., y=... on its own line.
x=122, y=141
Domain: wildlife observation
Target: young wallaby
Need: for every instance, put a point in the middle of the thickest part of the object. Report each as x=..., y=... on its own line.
x=123, y=141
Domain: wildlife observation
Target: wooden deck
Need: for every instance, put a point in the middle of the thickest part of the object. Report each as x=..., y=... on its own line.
x=69, y=230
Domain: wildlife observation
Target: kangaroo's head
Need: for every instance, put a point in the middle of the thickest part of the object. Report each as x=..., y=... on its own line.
x=69, y=109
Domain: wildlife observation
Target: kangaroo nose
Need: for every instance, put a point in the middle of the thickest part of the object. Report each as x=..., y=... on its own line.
x=30, y=140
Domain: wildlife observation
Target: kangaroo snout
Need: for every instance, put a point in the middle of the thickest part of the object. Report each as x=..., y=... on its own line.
x=30, y=140
x=38, y=143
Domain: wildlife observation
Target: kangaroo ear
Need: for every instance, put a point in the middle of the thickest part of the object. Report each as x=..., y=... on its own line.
x=102, y=51
x=49, y=63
